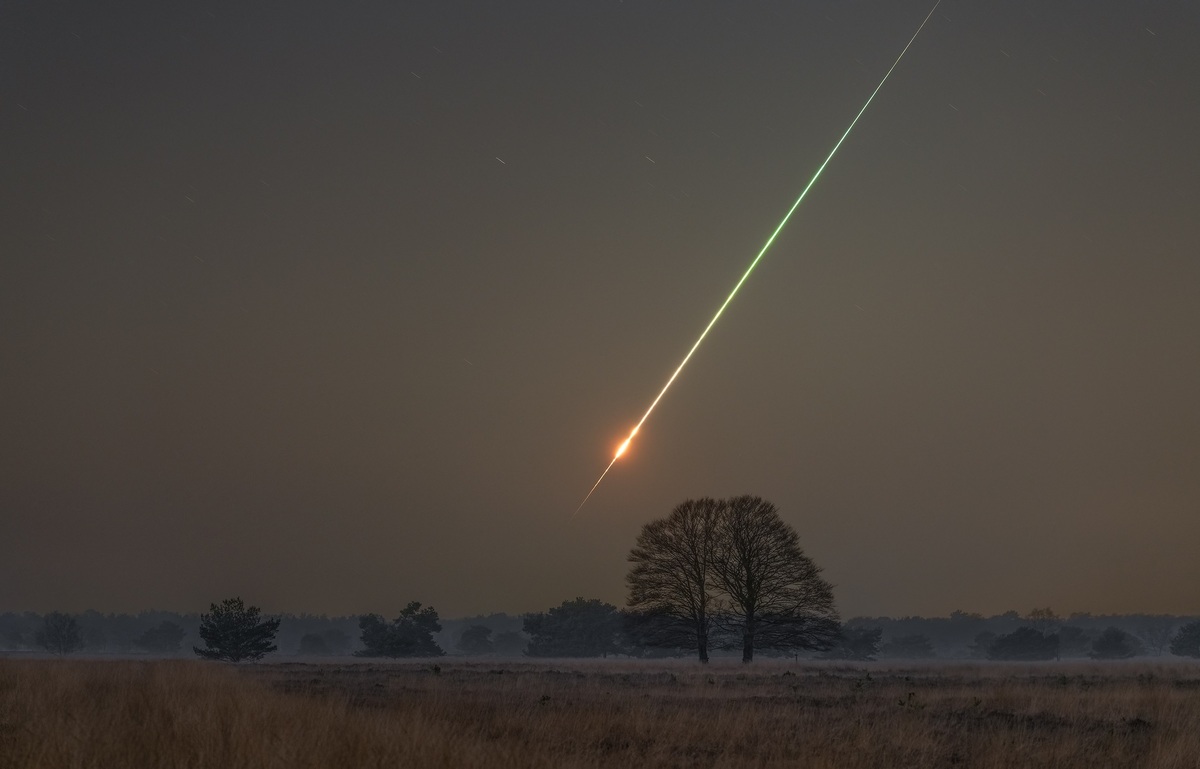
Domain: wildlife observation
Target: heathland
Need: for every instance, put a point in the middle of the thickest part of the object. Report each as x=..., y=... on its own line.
x=557, y=713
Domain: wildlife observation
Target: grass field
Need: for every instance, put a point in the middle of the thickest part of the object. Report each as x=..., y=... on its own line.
x=80, y=714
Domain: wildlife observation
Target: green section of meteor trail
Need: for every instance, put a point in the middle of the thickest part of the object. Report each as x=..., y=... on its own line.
x=737, y=287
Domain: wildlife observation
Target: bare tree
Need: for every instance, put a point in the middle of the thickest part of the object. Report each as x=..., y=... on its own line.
x=1045, y=621
x=670, y=584
x=60, y=634
x=1155, y=631
x=776, y=597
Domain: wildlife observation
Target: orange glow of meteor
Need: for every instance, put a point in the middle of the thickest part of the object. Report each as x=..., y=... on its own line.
x=620, y=450
x=624, y=446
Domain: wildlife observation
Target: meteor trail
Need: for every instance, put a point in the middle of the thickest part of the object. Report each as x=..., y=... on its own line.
x=625, y=445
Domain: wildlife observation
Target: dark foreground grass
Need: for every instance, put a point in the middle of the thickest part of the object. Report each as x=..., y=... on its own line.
x=571, y=714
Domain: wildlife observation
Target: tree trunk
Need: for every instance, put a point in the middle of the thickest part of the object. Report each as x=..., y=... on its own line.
x=703, y=649
x=748, y=641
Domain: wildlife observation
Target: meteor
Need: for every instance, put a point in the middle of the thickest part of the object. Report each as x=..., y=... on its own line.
x=754, y=263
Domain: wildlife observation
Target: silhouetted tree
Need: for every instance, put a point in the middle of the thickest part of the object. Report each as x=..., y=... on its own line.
x=908, y=647
x=644, y=635
x=983, y=641
x=337, y=640
x=510, y=643
x=374, y=636
x=94, y=638
x=13, y=637
x=409, y=635
x=1045, y=621
x=671, y=591
x=776, y=598
x=314, y=644
x=163, y=638
x=1115, y=644
x=59, y=634
x=578, y=628
x=477, y=639
x=233, y=632
x=1024, y=643
x=860, y=644
x=1155, y=632
x=1186, y=642
x=1073, y=641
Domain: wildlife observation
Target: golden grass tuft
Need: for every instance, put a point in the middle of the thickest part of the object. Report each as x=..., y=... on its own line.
x=82, y=714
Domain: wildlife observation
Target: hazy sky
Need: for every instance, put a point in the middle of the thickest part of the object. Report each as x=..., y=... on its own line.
x=336, y=306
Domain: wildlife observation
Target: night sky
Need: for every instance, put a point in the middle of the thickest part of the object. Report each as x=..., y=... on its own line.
x=336, y=306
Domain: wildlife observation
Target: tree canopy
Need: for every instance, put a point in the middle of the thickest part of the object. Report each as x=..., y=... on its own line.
x=860, y=644
x=314, y=644
x=1024, y=643
x=409, y=635
x=671, y=590
x=1115, y=644
x=509, y=643
x=1073, y=642
x=1186, y=642
x=476, y=639
x=730, y=567
x=233, y=632
x=60, y=634
x=908, y=647
x=164, y=638
x=775, y=597
x=578, y=628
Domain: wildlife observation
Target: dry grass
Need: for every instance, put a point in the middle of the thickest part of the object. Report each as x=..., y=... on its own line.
x=83, y=714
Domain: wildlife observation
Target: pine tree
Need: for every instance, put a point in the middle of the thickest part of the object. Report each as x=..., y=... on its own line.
x=409, y=635
x=233, y=632
x=1186, y=642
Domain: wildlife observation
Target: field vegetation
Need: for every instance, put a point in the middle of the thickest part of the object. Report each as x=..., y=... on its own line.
x=442, y=713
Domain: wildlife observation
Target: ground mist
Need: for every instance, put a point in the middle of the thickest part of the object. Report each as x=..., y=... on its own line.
x=439, y=713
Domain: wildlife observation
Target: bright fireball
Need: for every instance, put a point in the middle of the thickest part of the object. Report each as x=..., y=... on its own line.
x=624, y=446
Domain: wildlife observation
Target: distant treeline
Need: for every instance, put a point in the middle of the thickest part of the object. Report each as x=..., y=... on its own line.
x=961, y=635
x=965, y=635
x=132, y=633
x=717, y=577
